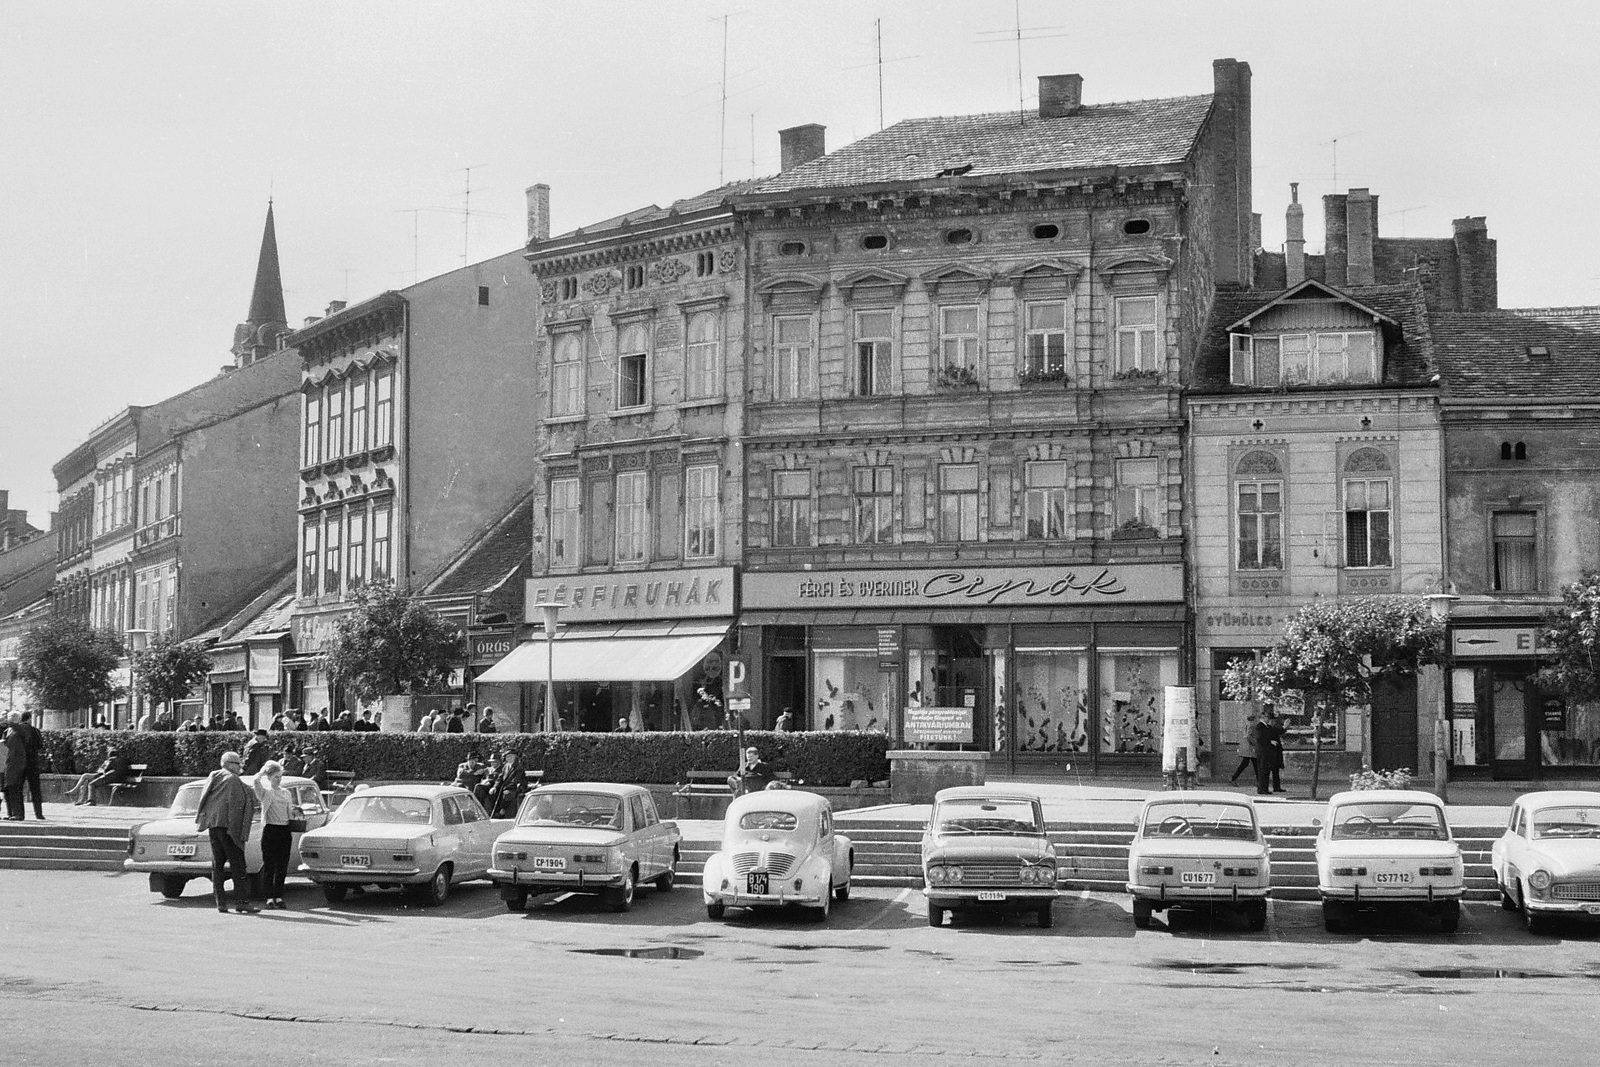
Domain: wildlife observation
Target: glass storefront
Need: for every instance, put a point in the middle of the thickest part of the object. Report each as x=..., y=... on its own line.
x=1502, y=721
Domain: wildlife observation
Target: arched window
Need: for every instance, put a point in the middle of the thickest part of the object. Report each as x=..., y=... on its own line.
x=1258, y=512
x=1368, y=510
x=1258, y=463
x=1367, y=459
x=1505, y=449
x=1522, y=450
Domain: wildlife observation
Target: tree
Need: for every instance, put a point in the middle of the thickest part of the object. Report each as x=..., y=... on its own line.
x=68, y=664
x=392, y=643
x=1336, y=651
x=1571, y=636
x=169, y=670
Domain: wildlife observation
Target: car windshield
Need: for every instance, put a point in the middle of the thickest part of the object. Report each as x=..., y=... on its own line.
x=1575, y=821
x=979, y=815
x=571, y=809
x=415, y=810
x=1390, y=819
x=187, y=802
x=768, y=820
x=1180, y=818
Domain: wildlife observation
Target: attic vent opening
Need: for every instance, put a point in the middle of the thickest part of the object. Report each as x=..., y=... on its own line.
x=874, y=241
x=958, y=237
x=950, y=172
x=1538, y=351
x=1046, y=231
x=1136, y=227
x=792, y=248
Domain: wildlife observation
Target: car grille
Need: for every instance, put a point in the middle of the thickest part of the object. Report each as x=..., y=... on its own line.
x=777, y=862
x=990, y=874
x=1576, y=891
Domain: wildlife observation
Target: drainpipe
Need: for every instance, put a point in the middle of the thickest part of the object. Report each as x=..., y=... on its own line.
x=404, y=451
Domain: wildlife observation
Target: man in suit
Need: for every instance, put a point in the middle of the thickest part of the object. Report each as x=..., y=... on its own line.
x=226, y=809
x=256, y=752
x=33, y=748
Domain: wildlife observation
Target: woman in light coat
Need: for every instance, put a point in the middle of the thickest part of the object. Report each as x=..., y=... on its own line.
x=1247, y=749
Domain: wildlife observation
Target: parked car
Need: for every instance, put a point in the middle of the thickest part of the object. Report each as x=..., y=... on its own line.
x=986, y=849
x=1547, y=863
x=1199, y=849
x=420, y=838
x=586, y=837
x=1383, y=848
x=778, y=848
x=174, y=850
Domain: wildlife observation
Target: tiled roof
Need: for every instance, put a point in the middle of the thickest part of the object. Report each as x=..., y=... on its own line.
x=639, y=216
x=498, y=554
x=1484, y=355
x=1409, y=357
x=272, y=603
x=1136, y=133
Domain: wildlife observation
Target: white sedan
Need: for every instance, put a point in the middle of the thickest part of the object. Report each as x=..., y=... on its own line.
x=1387, y=847
x=778, y=848
x=422, y=838
x=1547, y=863
x=1199, y=849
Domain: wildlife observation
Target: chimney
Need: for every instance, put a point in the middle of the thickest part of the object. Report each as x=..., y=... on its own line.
x=1477, y=264
x=336, y=306
x=1361, y=235
x=801, y=144
x=1228, y=160
x=538, y=212
x=1335, y=252
x=1060, y=95
x=1294, y=239
x=312, y=320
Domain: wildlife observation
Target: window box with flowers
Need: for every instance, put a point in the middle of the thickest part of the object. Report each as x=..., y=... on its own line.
x=1136, y=375
x=956, y=376
x=1044, y=376
x=1134, y=530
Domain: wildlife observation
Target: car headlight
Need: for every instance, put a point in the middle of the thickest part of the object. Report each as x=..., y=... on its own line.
x=1540, y=879
x=953, y=873
x=936, y=875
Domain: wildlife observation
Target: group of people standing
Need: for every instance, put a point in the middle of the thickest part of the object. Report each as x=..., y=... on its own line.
x=1261, y=750
x=20, y=745
x=227, y=807
x=458, y=721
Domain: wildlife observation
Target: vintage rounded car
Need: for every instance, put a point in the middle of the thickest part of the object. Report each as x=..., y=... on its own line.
x=1547, y=863
x=418, y=838
x=1199, y=849
x=779, y=848
x=986, y=848
x=1383, y=848
x=174, y=850
x=586, y=837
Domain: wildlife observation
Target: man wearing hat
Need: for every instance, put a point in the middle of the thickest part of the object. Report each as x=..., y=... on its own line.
x=255, y=752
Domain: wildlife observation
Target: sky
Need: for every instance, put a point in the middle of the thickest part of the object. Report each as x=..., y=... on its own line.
x=140, y=142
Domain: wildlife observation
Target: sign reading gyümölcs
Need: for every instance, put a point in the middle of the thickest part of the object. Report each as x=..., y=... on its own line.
x=692, y=593
x=963, y=587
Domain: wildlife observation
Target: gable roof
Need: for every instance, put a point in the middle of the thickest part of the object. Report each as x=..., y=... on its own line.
x=1484, y=355
x=494, y=557
x=1318, y=290
x=1130, y=134
x=1409, y=349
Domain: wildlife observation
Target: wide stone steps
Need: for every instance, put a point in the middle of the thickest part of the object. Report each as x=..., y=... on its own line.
x=45, y=846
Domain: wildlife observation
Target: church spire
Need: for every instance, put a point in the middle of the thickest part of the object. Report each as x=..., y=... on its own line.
x=258, y=336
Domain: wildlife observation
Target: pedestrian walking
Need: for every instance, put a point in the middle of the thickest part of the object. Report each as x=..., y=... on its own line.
x=227, y=807
x=13, y=761
x=276, y=810
x=33, y=747
x=1247, y=749
x=486, y=724
x=1275, y=754
x=1266, y=734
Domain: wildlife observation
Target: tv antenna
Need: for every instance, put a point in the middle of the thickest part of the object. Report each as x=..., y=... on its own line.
x=1402, y=212
x=1019, y=33
x=880, y=63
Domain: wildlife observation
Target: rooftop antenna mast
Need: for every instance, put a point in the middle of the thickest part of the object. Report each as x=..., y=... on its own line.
x=722, y=147
x=1017, y=34
x=466, y=216
x=879, y=24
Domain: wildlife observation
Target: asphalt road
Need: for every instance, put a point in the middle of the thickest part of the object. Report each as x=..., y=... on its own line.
x=95, y=969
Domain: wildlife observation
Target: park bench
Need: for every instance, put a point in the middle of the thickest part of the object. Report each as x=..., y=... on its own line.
x=340, y=785
x=132, y=783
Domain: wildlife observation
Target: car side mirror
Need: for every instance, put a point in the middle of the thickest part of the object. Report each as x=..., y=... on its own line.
x=1317, y=823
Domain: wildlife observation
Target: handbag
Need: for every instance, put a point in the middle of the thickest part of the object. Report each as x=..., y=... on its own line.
x=297, y=821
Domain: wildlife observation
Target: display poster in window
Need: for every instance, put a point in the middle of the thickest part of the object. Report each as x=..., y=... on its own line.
x=1179, y=740
x=938, y=726
x=888, y=648
x=1553, y=714
x=1295, y=715
x=265, y=664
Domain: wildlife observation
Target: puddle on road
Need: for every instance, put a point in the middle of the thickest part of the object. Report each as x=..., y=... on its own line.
x=1041, y=963
x=662, y=952
x=1490, y=972
x=832, y=948
x=1199, y=967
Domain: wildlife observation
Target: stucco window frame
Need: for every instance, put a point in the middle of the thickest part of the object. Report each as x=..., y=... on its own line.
x=1258, y=581
x=717, y=306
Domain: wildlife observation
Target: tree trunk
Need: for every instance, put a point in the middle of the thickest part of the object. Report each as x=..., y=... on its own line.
x=1316, y=750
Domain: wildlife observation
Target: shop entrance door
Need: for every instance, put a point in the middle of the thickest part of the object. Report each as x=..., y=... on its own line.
x=1394, y=724
x=961, y=679
x=1513, y=701
x=786, y=691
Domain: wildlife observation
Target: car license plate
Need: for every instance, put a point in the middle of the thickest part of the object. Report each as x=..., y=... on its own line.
x=1394, y=877
x=355, y=861
x=756, y=884
x=1592, y=909
x=180, y=850
x=549, y=863
x=1199, y=877
x=989, y=894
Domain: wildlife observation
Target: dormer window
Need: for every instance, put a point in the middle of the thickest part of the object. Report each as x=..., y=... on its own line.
x=1267, y=361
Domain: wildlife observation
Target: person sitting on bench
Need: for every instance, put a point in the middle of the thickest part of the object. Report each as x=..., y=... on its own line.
x=756, y=775
x=116, y=768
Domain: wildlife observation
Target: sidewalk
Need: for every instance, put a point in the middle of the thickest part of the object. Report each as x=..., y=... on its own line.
x=99, y=815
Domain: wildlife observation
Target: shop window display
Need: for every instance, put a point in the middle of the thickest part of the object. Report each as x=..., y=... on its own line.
x=1132, y=699
x=1575, y=741
x=851, y=692
x=1050, y=700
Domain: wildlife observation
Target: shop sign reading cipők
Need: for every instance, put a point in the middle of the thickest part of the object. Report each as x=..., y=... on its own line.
x=963, y=586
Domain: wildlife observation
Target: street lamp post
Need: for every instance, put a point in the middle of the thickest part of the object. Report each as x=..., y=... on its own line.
x=551, y=721
x=1439, y=606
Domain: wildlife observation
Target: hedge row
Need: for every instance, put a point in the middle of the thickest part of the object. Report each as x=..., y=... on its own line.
x=826, y=759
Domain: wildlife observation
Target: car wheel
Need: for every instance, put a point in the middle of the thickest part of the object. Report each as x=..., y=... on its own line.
x=715, y=909
x=1256, y=917
x=841, y=893
x=437, y=891
x=621, y=898
x=667, y=878
x=1450, y=916
x=1047, y=916
x=820, y=912
x=1334, y=917
x=172, y=886
x=935, y=915
x=1141, y=914
x=1507, y=901
x=1537, y=925
x=334, y=894
x=516, y=900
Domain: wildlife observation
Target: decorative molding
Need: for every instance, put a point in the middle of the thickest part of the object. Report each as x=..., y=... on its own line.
x=602, y=282
x=667, y=271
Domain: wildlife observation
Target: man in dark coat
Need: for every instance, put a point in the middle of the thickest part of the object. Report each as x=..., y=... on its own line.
x=255, y=752
x=226, y=809
x=33, y=745
x=1267, y=735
